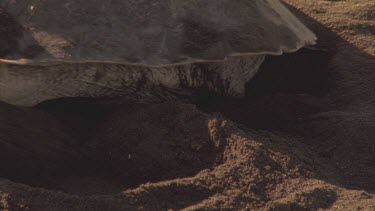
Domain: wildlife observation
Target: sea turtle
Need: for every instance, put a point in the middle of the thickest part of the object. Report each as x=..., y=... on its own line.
x=89, y=48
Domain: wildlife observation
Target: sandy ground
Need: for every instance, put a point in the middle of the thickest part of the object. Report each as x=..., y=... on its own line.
x=302, y=139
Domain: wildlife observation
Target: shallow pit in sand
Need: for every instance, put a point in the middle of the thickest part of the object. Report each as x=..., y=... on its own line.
x=112, y=147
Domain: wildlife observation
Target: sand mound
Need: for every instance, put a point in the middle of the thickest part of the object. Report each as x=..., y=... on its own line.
x=206, y=162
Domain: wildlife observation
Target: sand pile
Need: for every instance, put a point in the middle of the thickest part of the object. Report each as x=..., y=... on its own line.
x=204, y=162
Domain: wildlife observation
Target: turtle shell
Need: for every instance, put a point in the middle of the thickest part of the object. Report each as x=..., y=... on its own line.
x=146, y=32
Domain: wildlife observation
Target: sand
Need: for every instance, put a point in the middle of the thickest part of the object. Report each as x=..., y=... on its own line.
x=302, y=138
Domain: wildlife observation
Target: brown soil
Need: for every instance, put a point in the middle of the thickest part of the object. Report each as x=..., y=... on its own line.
x=303, y=138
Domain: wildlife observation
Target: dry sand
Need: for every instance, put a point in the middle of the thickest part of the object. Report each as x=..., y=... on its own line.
x=303, y=138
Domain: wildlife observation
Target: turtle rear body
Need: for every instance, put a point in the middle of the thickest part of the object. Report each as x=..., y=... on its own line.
x=80, y=48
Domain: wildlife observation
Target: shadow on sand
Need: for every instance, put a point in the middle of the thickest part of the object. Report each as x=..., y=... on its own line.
x=290, y=90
